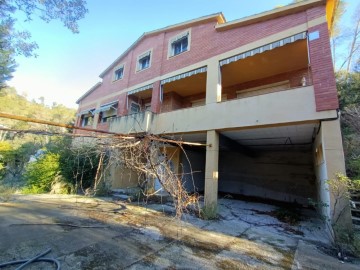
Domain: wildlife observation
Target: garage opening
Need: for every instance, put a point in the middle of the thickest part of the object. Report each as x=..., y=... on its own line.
x=277, y=164
x=274, y=164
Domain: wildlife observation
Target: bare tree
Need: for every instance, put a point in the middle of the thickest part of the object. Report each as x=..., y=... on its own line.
x=354, y=45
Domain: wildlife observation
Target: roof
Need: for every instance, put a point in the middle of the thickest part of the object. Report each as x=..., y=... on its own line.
x=279, y=12
x=88, y=92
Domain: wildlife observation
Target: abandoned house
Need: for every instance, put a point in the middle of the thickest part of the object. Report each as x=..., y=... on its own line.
x=259, y=91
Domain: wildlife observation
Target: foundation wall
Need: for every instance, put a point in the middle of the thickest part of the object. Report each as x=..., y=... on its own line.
x=123, y=178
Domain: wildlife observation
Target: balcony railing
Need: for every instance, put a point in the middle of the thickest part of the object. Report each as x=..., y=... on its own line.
x=133, y=123
x=292, y=105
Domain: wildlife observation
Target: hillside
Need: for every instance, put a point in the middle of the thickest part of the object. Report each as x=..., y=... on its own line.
x=13, y=103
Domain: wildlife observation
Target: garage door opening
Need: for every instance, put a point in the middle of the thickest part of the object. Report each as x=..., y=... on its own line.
x=278, y=164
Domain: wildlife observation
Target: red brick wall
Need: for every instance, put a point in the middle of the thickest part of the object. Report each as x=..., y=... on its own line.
x=322, y=70
x=103, y=126
x=122, y=106
x=315, y=12
x=206, y=42
x=155, y=99
x=172, y=101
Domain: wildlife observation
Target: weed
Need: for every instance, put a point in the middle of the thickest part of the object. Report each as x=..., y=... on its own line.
x=6, y=193
x=291, y=216
x=209, y=212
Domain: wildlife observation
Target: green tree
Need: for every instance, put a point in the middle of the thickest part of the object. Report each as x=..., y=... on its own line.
x=40, y=174
x=13, y=42
x=16, y=148
x=14, y=156
x=348, y=85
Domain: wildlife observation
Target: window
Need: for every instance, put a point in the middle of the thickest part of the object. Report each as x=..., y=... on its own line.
x=119, y=73
x=86, y=117
x=103, y=118
x=107, y=111
x=134, y=107
x=148, y=107
x=179, y=44
x=87, y=120
x=144, y=61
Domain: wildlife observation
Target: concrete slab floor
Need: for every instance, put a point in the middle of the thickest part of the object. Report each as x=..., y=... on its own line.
x=121, y=235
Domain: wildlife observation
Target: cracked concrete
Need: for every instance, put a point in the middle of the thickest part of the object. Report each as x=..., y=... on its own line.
x=138, y=237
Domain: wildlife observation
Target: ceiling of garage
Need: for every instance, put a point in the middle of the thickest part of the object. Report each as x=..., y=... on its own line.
x=270, y=137
x=278, y=137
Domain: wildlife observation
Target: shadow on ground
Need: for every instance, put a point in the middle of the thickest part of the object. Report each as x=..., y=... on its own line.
x=94, y=233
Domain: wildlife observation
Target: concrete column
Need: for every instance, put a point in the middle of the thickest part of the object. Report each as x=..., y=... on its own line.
x=96, y=116
x=211, y=169
x=213, y=82
x=156, y=97
x=333, y=156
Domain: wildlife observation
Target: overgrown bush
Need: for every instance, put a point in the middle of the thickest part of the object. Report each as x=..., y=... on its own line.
x=343, y=236
x=14, y=155
x=78, y=163
x=6, y=193
x=40, y=174
x=60, y=186
x=79, y=166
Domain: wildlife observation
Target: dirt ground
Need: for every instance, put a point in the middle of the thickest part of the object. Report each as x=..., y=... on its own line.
x=100, y=233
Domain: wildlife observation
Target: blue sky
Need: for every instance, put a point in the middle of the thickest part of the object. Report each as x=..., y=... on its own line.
x=69, y=64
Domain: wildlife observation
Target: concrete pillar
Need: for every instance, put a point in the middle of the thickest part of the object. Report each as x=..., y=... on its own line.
x=156, y=97
x=211, y=169
x=96, y=116
x=213, y=82
x=334, y=161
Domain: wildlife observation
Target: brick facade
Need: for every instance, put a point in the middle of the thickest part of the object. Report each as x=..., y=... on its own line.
x=322, y=69
x=208, y=41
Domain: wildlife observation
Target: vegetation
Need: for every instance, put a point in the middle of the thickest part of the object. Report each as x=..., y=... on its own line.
x=209, y=212
x=78, y=163
x=16, y=148
x=13, y=103
x=344, y=238
x=348, y=84
x=13, y=42
x=40, y=174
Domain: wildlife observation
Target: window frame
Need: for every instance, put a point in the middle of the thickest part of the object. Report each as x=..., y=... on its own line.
x=175, y=40
x=122, y=66
x=104, y=116
x=87, y=120
x=137, y=104
x=147, y=53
